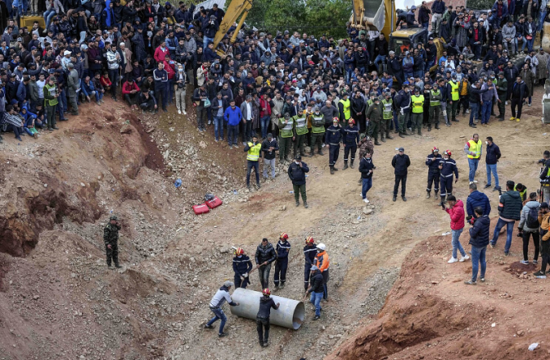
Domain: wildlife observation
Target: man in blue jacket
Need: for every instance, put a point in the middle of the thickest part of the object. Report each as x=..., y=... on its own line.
x=479, y=238
x=492, y=155
x=233, y=117
x=477, y=199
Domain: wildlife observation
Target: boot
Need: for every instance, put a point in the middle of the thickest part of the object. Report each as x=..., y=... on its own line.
x=429, y=128
x=382, y=138
x=332, y=170
x=345, y=165
x=437, y=126
x=436, y=194
x=401, y=135
x=376, y=141
x=428, y=195
x=388, y=135
x=311, y=153
x=321, y=152
x=420, y=131
x=351, y=165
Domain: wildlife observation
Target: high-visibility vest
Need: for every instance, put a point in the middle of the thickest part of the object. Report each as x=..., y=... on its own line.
x=475, y=148
x=317, y=124
x=253, y=152
x=347, y=108
x=301, y=127
x=286, y=129
x=417, y=104
x=434, y=102
x=52, y=90
x=522, y=194
x=387, y=112
x=454, y=91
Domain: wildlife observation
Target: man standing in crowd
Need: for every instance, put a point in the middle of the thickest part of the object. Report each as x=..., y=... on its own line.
x=447, y=167
x=287, y=135
x=262, y=318
x=334, y=135
x=519, y=93
x=281, y=264
x=544, y=220
x=351, y=138
x=492, y=156
x=479, y=238
x=432, y=161
x=473, y=149
x=317, y=131
x=233, y=117
x=477, y=199
x=544, y=177
x=456, y=212
x=297, y=174
x=310, y=252
x=252, y=160
x=529, y=225
x=221, y=296
x=400, y=163
x=509, y=210
x=265, y=255
x=269, y=147
x=241, y=267
x=322, y=262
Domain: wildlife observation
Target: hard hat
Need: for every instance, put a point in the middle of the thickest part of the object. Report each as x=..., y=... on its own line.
x=435, y=149
x=283, y=236
x=266, y=292
x=239, y=251
x=321, y=246
x=335, y=120
x=351, y=121
x=113, y=217
x=310, y=240
x=448, y=152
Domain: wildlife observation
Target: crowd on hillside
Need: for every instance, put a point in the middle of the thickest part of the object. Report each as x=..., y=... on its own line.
x=148, y=54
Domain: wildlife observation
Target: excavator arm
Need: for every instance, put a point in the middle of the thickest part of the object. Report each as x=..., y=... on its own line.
x=378, y=14
x=233, y=12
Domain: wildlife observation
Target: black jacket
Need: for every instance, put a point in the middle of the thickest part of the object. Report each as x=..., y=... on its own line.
x=401, y=163
x=510, y=205
x=264, y=254
x=266, y=144
x=298, y=174
x=309, y=254
x=266, y=304
x=316, y=282
x=242, y=265
x=492, y=154
x=365, y=168
x=479, y=233
x=432, y=161
x=519, y=91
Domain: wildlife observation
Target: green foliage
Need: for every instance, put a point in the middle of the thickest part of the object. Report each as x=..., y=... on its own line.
x=314, y=17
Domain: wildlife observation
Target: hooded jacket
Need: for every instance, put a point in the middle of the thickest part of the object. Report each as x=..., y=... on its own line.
x=525, y=213
x=479, y=233
x=478, y=199
x=316, y=282
x=266, y=304
x=221, y=296
x=457, y=215
x=297, y=174
x=510, y=205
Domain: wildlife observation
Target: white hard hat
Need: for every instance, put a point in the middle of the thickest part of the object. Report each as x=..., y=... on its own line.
x=321, y=246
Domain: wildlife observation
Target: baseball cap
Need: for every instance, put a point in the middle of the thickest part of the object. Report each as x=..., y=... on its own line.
x=401, y=149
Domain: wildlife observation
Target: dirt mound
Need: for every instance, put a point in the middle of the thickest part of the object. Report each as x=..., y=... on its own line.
x=431, y=314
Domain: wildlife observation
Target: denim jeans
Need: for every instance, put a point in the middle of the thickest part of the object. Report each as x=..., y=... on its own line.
x=542, y=16
x=232, y=134
x=456, y=243
x=478, y=257
x=218, y=315
x=509, y=232
x=269, y=163
x=315, y=299
x=474, y=111
x=472, y=163
x=492, y=168
x=206, y=41
x=367, y=184
x=48, y=15
x=249, y=166
x=218, y=127
x=98, y=96
x=264, y=122
x=485, y=111
x=379, y=58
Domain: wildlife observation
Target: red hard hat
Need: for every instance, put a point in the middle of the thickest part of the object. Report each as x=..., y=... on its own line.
x=266, y=292
x=239, y=251
x=283, y=236
x=335, y=119
x=448, y=152
x=351, y=121
x=310, y=240
x=435, y=149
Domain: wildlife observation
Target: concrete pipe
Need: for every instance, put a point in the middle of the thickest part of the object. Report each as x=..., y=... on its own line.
x=290, y=314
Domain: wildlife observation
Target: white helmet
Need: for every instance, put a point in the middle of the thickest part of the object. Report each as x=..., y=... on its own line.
x=321, y=246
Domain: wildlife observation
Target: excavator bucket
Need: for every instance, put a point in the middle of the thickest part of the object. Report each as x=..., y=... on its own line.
x=379, y=14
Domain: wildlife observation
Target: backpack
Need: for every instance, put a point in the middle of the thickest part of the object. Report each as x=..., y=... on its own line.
x=532, y=221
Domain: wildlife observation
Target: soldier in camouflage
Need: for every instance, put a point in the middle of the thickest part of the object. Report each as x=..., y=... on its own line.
x=110, y=237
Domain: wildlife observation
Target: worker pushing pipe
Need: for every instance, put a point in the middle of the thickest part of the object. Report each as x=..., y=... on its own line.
x=290, y=314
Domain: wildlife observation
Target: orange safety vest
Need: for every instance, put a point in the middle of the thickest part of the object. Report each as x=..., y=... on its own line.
x=322, y=261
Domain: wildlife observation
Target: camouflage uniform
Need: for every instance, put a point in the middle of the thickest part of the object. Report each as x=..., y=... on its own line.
x=110, y=237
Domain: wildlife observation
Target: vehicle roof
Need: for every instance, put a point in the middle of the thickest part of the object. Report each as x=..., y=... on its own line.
x=406, y=32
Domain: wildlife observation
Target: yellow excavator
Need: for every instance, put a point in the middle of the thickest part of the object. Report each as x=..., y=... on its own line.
x=381, y=15
x=234, y=10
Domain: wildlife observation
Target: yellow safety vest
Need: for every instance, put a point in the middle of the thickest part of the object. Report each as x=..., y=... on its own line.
x=417, y=104
x=432, y=101
x=522, y=193
x=347, y=108
x=454, y=91
x=475, y=148
x=253, y=152
x=388, y=112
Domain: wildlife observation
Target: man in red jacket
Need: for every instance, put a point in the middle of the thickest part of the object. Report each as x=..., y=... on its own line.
x=456, y=212
x=131, y=91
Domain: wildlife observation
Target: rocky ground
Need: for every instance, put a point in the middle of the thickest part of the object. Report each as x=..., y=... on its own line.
x=58, y=191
